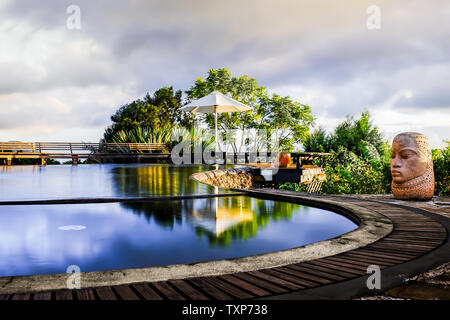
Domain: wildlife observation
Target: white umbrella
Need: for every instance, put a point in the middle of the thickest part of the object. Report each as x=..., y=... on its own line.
x=216, y=102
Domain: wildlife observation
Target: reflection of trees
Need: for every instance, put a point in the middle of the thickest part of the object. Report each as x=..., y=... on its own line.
x=263, y=211
x=219, y=219
x=234, y=218
x=157, y=180
x=164, y=213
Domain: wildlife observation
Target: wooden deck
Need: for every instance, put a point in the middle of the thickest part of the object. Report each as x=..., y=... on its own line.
x=88, y=150
x=413, y=236
x=79, y=150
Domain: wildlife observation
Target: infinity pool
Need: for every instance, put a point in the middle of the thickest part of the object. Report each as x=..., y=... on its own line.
x=44, y=239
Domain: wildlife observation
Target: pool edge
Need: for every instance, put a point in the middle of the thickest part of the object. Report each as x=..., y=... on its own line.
x=373, y=226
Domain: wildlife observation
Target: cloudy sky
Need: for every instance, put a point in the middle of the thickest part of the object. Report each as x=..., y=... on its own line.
x=60, y=84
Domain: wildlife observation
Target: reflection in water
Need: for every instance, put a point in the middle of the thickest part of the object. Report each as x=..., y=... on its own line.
x=159, y=180
x=226, y=213
x=99, y=180
x=218, y=219
x=242, y=217
x=135, y=235
x=48, y=238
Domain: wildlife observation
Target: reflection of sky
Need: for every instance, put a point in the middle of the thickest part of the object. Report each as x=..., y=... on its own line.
x=114, y=238
x=106, y=180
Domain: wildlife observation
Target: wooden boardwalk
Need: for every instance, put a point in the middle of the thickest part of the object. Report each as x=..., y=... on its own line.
x=78, y=150
x=413, y=236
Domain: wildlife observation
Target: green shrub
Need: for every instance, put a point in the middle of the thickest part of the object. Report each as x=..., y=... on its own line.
x=288, y=186
x=441, y=166
x=346, y=173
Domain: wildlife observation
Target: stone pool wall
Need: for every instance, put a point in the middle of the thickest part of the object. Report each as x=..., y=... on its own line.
x=239, y=178
x=248, y=178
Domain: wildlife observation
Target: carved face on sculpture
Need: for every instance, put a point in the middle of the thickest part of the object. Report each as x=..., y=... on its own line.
x=411, y=167
x=407, y=160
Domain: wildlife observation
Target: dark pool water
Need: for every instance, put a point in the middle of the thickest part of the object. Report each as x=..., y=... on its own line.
x=99, y=180
x=43, y=239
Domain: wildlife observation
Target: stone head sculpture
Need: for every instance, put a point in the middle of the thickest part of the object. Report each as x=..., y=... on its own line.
x=412, y=167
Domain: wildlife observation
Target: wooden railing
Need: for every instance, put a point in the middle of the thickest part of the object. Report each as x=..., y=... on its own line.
x=80, y=147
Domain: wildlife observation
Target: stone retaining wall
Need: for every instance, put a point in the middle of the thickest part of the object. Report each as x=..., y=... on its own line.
x=239, y=178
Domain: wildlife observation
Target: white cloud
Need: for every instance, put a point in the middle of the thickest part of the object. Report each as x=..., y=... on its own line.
x=66, y=83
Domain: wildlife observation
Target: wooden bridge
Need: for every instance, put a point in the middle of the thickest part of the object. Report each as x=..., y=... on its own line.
x=140, y=151
x=77, y=150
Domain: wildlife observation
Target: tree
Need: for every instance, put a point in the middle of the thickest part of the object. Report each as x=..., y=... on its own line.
x=317, y=141
x=287, y=119
x=359, y=136
x=153, y=112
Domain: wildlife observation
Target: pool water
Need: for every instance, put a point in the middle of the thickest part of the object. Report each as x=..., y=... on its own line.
x=100, y=180
x=45, y=239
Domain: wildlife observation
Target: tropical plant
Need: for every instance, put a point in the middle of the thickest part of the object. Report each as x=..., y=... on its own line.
x=346, y=173
x=441, y=166
x=199, y=139
x=282, y=117
x=289, y=186
x=359, y=136
x=317, y=141
x=160, y=110
x=144, y=135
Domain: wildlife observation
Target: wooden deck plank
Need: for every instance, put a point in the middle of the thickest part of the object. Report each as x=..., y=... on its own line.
x=418, y=236
x=146, y=292
x=303, y=279
x=372, y=260
x=188, y=290
x=338, y=267
x=403, y=246
x=105, y=293
x=364, y=263
x=269, y=286
x=63, y=295
x=209, y=289
x=125, y=293
x=357, y=253
x=341, y=273
x=255, y=290
x=315, y=272
x=42, y=295
x=394, y=251
x=394, y=255
x=169, y=292
x=346, y=264
x=21, y=296
x=414, y=250
x=269, y=275
x=231, y=290
x=85, y=294
x=424, y=243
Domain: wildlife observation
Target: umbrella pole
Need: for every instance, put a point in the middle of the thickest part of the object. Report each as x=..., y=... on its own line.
x=215, y=121
x=216, y=144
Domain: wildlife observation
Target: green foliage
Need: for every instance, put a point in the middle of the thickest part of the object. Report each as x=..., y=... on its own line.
x=155, y=111
x=52, y=162
x=264, y=211
x=441, y=166
x=359, y=136
x=194, y=135
x=288, y=119
x=346, y=173
x=359, y=163
x=92, y=161
x=288, y=186
x=144, y=135
x=317, y=141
